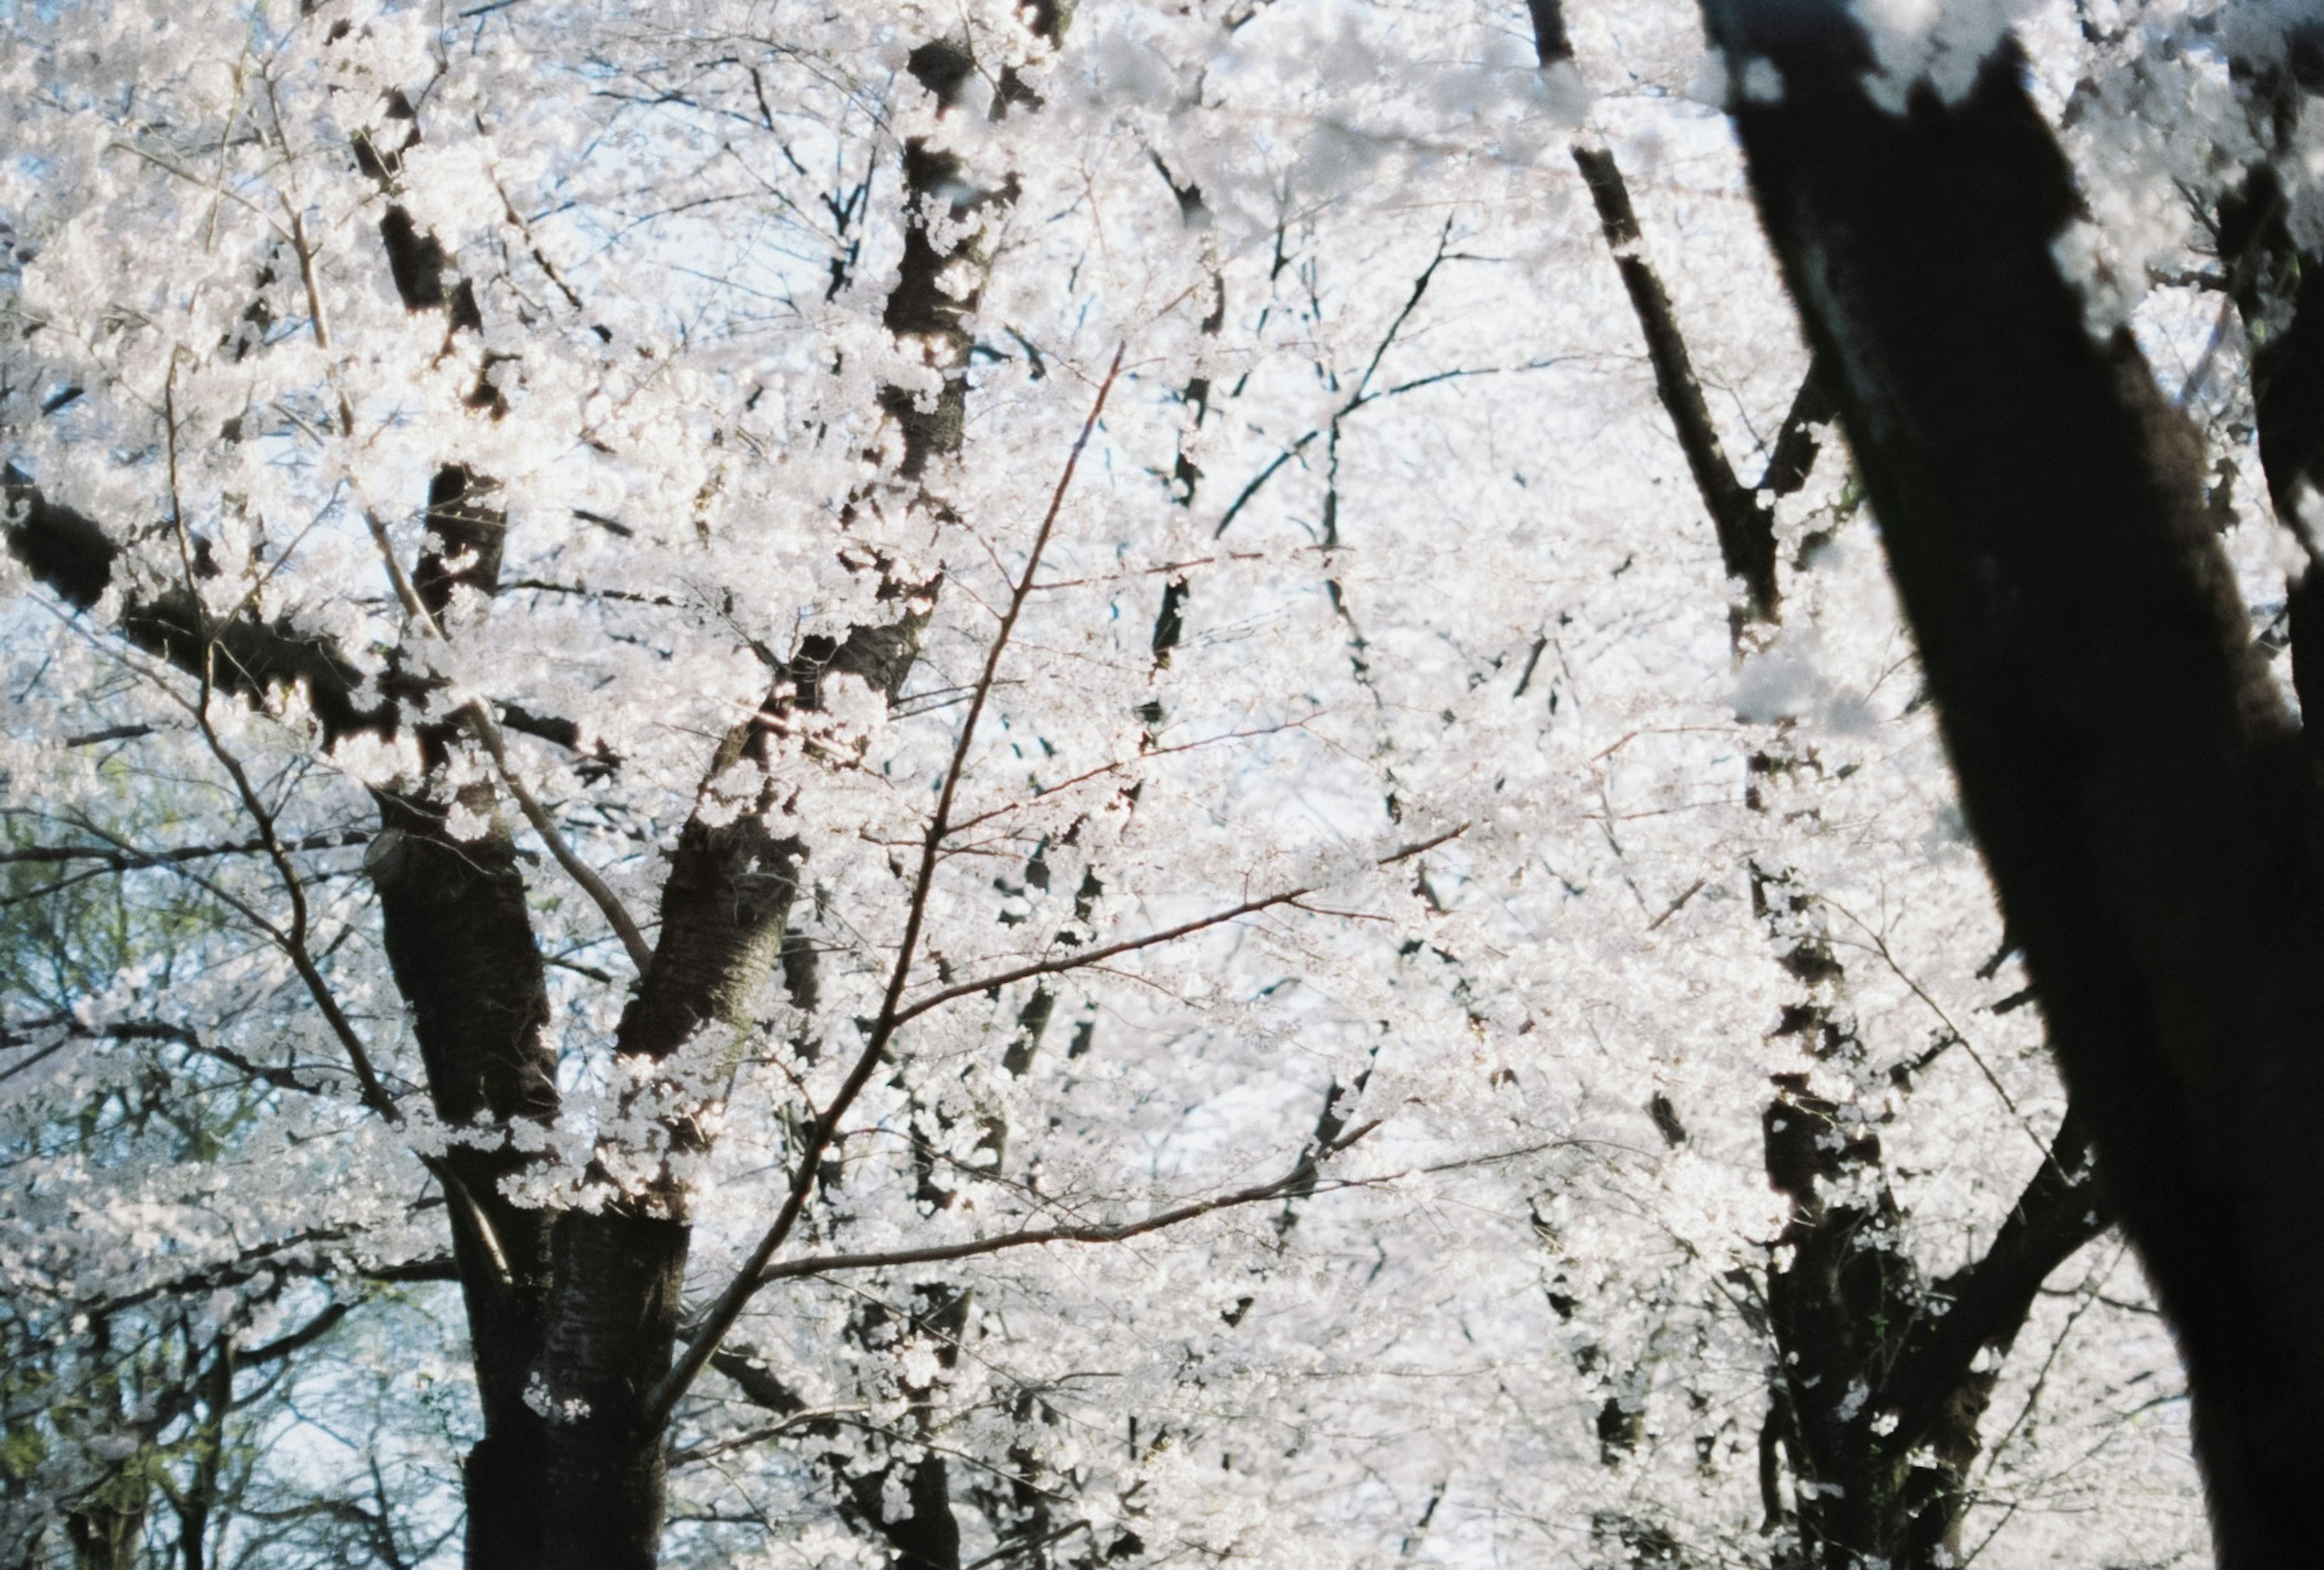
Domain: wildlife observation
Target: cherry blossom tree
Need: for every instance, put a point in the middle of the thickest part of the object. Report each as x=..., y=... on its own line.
x=1013, y=784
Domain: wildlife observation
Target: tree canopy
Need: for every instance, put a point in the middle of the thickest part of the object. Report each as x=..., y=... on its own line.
x=1015, y=784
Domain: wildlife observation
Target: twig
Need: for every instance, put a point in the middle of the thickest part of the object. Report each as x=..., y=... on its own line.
x=1116, y=766
x=1147, y=940
x=2033, y=1395
x=743, y=1441
x=306, y=1335
x=129, y=732
x=146, y=1030
x=1879, y=946
x=1301, y=1177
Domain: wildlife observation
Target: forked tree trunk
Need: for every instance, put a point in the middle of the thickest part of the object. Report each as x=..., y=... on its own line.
x=1879, y=1376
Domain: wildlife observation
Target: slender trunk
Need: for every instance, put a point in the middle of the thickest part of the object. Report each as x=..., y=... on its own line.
x=1881, y=1376
x=196, y=1502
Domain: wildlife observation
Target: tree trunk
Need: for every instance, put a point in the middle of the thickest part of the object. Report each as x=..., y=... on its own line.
x=460, y=941
x=1877, y=1388
x=2146, y=809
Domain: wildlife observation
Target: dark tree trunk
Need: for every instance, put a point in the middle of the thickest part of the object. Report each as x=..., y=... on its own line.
x=459, y=941
x=612, y=1326
x=2147, y=809
x=1877, y=1389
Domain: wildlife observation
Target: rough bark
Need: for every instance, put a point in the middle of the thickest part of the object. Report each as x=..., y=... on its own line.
x=460, y=941
x=466, y=536
x=72, y=555
x=2146, y=807
x=929, y=306
x=612, y=1321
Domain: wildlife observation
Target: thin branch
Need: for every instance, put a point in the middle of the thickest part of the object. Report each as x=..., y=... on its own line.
x=1076, y=961
x=134, y=860
x=21, y=1064
x=434, y=1267
x=306, y=1335
x=1745, y=526
x=170, y=166
x=665, y=1395
x=617, y=915
x=1412, y=303
x=242, y=1267
x=129, y=732
x=1878, y=943
x=158, y=1030
x=2087, y=1293
x=478, y=716
x=1986, y=1301
x=1009, y=1550
x=744, y=1440
x=1114, y=766
x=1301, y=1179
x=293, y=943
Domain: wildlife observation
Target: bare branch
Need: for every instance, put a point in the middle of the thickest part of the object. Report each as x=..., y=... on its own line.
x=1300, y=1178
x=134, y=860
x=478, y=716
x=1746, y=527
x=1147, y=940
x=306, y=1335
